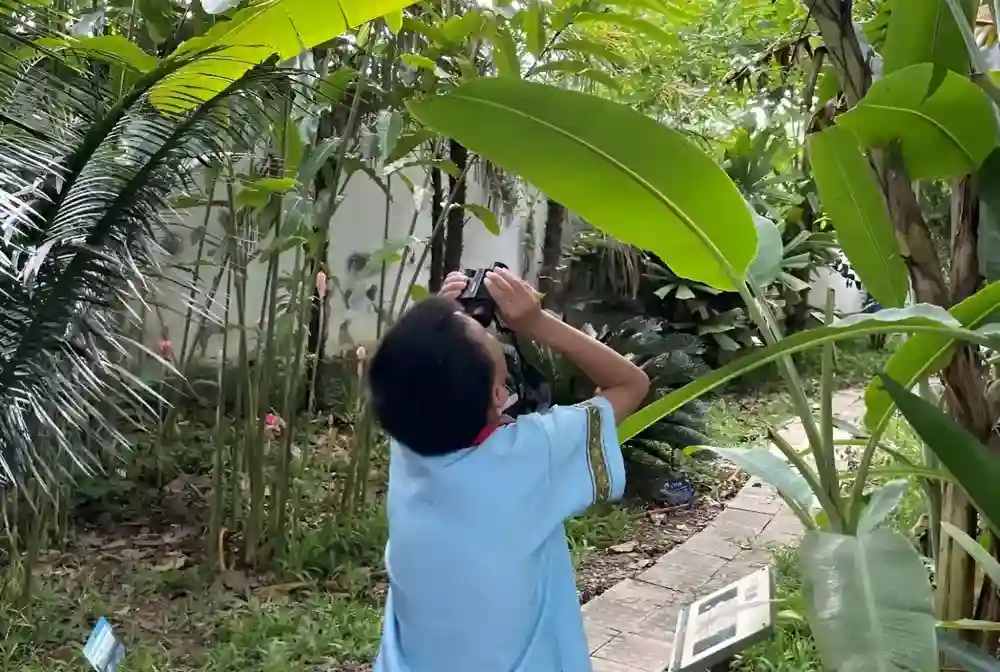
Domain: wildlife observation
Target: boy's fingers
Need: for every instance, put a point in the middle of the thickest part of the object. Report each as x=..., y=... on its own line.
x=498, y=282
x=511, y=279
x=499, y=289
x=517, y=284
x=453, y=287
x=512, y=283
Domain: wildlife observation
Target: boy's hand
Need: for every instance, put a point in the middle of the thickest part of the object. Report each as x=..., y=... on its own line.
x=516, y=300
x=454, y=284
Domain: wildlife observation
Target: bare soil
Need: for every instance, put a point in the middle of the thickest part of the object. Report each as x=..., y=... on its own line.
x=657, y=530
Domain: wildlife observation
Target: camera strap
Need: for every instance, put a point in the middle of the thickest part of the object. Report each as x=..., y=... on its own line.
x=529, y=384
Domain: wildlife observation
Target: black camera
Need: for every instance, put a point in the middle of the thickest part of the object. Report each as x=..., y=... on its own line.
x=529, y=391
x=475, y=299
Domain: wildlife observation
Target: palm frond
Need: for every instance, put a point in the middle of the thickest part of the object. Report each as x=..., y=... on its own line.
x=85, y=179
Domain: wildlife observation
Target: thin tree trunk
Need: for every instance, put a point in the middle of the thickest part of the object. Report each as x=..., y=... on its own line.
x=966, y=396
x=549, y=274
x=436, y=270
x=970, y=379
x=965, y=276
x=456, y=216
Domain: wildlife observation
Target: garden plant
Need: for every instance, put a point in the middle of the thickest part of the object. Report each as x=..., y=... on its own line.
x=699, y=162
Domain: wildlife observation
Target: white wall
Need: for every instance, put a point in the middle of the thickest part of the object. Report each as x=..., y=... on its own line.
x=357, y=227
x=847, y=299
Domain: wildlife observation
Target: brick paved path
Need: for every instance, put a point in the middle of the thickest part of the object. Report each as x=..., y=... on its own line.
x=630, y=627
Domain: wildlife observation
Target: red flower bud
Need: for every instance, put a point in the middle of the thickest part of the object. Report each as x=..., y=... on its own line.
x=165, y=349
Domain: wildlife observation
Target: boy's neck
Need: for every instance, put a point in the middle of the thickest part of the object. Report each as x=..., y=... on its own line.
x=495, y=421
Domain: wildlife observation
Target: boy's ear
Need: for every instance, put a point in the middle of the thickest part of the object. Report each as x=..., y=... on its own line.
x=500, y=396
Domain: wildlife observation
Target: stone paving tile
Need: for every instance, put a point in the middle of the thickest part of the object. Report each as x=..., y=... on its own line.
x=601, y=665
x=597, y=635
x=732, y=531
x=770, y=538
x=849, y=405
x=747, y=522
x=783, y=529
x=682, y=570
x=754, y=556
x=795, y=434
x=785, y=521
x=643, y=653
x=755, y=486
x=755, y=501
x=663, y=621
x=708, y=542
x=626, y=604
x=739, y=567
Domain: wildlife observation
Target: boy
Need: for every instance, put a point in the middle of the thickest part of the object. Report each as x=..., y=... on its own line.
x=480, y=574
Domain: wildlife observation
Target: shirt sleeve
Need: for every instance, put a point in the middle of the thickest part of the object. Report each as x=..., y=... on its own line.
x=585, y=459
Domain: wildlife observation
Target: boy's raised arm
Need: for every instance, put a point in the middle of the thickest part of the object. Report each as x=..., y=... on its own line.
x=623, y=384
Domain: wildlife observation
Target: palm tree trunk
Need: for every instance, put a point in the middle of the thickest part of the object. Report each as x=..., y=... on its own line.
x=548, y=274
x=456, y=215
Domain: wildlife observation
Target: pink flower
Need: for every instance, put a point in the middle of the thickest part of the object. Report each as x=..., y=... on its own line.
x=165, y=349
x=321, y=284
x=273, y=424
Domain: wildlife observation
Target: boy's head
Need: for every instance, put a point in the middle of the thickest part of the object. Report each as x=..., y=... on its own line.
x=438, y=378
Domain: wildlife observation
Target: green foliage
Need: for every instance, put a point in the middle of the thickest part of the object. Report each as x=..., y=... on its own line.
x=988, y=232
x=600, y=527
x=670, y=360
x=614, y=150
x=920, y=318
x=942, y=134
x=717, y=318
x=717, y=43
x=68, y=330
x=957, y=651
x=860, y=592
x=926, y=354
x=924, y=31
x=971, y=463
x=608, y=280
x=254, y=34
x=302, y=626
x=73, y=104
x=607, y=277
x=854, y=202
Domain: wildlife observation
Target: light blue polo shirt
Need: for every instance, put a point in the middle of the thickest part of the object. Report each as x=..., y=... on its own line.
x=480, y=573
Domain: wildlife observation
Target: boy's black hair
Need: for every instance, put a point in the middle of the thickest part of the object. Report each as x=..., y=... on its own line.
x=431, y=382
